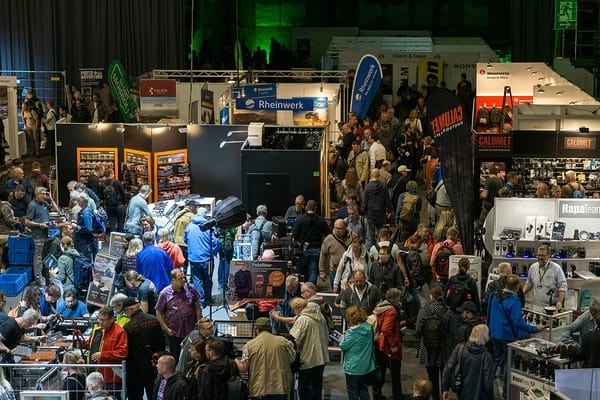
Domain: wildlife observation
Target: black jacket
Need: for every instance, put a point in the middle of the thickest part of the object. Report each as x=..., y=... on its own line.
x=385, y=276
x=376, y=201
x=213, y=381
x=476, y=369
x=177, y=388
x=145, y=337
x=589, y=352
x=310, y=228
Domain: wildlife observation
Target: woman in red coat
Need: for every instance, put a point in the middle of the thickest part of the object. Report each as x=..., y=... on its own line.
x=388, y=344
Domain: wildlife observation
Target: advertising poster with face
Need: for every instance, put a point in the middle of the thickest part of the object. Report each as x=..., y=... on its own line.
x=257, y=280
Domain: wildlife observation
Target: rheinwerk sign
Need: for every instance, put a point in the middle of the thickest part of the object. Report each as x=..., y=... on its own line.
x=578, y=209
x=273, y=104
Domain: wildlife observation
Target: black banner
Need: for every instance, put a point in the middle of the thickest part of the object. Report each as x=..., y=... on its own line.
x=453, y=142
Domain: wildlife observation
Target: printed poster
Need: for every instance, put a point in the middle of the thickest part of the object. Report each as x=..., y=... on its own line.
x=257, y=280
x=158, y=99
x=100, y=289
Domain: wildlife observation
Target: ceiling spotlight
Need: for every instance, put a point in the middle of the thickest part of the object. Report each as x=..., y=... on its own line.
x=540, y=89
x=232, y=132
x=489, y=65
x=533, y=72
x=182, y=130
x=121, y=129
x=560, y=92
x=528, y=68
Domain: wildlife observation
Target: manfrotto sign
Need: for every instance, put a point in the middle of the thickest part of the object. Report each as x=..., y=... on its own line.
x=578, y=209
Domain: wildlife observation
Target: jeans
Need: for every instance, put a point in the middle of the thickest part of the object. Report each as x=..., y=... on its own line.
x=223, y=272
x=434, y=374
x=202, y=280
x=357, y=388
x=310, y=383
x=174, y=346
x=382, y=363
x=116, y=218
x=37, y=259
x=87, y=246
x=374, y=223
x=308, y=265
x=499, y=357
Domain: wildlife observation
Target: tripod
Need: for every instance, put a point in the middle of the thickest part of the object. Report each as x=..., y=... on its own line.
x=211, y=269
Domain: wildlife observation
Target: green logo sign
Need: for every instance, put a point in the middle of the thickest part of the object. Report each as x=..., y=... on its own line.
x=119, y=85
x=565, y=14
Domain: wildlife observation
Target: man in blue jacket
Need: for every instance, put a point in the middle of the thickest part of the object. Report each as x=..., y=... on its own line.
x=505, y=319
x=154, y=263
x=202, y=244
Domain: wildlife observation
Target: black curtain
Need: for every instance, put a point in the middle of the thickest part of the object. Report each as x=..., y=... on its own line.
x=450, y=124
x=531, y=30
x=71, y=34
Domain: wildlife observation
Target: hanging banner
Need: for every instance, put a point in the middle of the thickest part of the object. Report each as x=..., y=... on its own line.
x=207, y=105
x=224, y=115
x=247, y=107
x=366, y=82
x=453, y=142
x=158, y=99
x=89, y=81
x=119, y=86
x=293, y=104
x=431, y=71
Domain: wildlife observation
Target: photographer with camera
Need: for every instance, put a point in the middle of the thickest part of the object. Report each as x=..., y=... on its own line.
x=37, y=219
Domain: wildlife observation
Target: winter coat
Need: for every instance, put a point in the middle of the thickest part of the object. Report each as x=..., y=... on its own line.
x=376, y=201
x=476, y=369
x=388, y=330
x=433, y=357
x=177, y=388
x=312, y=337
x=349, y=297
x=357, y=345
x=505, y=317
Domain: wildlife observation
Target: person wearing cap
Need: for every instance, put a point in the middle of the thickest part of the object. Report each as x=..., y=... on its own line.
x=181, y=221
x=408, y=226
x=145, y=338
x=267, y=358
x=398, y=183
x=137, y=208
x=108, y=345
x=470, y=318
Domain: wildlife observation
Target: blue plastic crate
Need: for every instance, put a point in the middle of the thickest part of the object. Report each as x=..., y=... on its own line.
x=27, y=270
x=11, y=284
x=20, y=250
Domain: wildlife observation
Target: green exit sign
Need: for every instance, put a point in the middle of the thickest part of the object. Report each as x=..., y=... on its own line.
x=565, y=14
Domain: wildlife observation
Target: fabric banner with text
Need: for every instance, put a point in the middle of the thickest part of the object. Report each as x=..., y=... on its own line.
x=366, y=82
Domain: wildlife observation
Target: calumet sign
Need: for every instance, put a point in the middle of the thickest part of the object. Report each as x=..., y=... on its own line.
x=578, y=209
x=273, y=104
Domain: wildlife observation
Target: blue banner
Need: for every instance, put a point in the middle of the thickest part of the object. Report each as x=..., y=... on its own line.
x=224, y=115
x=252, y=91
x=366, y=82
x=274, y=104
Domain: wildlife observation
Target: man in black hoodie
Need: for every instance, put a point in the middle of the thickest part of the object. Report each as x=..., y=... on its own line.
x=169, y=384
x=376, y=206
x=216, y=373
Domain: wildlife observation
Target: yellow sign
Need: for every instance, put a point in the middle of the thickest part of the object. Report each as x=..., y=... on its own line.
x=431, y=71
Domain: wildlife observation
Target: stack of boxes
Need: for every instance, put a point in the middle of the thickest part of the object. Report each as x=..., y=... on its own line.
x=20, y=260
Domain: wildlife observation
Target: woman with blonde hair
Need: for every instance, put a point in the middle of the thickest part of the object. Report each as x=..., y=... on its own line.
x=75, y=380
x=445, y=222
x=351, y=186
x=414, y=123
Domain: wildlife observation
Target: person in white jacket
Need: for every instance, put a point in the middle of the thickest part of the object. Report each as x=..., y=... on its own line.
x=355, y=258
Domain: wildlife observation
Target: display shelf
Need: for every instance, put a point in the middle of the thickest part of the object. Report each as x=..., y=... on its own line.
x=89, y=157
x=137, y=171
x=172, y=177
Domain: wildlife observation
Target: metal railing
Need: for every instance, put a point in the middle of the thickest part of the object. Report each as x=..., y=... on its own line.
x=50, y=376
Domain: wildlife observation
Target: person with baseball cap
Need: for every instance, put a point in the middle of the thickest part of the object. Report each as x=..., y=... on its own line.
x=182, y=220
x=470, y=318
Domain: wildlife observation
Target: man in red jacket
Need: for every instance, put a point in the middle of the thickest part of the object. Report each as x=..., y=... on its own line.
x=108, y=345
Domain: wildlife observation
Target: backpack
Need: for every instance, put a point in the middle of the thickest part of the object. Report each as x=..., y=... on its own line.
x=458, y=292
x=409, y=207
x=442, y=260
x=261, y=237
x=98, y=224
x=327, y=313
x=434, y=330
x=82, y=272
x=111, y=196
x=414, y=267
